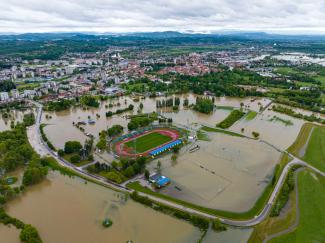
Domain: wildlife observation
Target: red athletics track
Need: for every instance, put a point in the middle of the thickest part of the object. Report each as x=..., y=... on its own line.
x=124, y=152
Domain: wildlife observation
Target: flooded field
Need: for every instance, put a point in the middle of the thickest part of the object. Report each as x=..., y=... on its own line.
x=229, y=236
x=272, y=130
x=304, y=112
x=61, y=129
x=67, y=210
x=227, y=173
x=297, y=57
x=14, y=116
x=9, y=234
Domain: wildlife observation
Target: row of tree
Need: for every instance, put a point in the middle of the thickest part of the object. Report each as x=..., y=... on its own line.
x=170, y=102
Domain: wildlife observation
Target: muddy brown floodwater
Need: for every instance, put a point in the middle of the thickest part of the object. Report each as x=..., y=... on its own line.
x=272, y=130
x=9, y=234
x=227, y=172
x=67, y=210
x=60, y=128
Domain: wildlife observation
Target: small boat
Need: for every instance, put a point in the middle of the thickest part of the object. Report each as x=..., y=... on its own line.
x=107, y=223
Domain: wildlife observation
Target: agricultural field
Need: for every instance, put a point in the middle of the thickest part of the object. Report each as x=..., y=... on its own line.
x=308, y=145
x=285, y=70
x=311, y=190
x=147, y=142
x=321, y=79
x=315, y=152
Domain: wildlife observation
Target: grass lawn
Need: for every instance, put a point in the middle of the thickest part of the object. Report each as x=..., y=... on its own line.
x=311, y=189
x=285, y=70
x=67, y=157
x=209, y=129
x=148, y=141
x=250, y=115
x=24, y=86
x=301, y=139
x=321, y=79
x=277, y=90
x=315, y=152
x=323, y=97
x=202, y=136
x=234, y=116
x=273, y=225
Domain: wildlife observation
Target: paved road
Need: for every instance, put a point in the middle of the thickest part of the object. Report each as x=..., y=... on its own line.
x=295, y=224
x=35, y=140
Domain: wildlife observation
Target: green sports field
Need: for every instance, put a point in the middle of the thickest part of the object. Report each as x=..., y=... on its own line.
x=148, y=141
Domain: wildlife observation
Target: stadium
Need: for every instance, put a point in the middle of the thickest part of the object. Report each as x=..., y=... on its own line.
x=151, y=141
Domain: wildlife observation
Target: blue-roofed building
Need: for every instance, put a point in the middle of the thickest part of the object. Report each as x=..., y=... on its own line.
x=159, y=180
x=165, y=147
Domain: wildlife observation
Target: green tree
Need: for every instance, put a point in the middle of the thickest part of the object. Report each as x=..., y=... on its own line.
x=12, y=160
x=204, y=105
x=61, y=152
x=88, y=146
x=29, y=234
x=218, y=226
x=89, y=100
x=146, y=174
x=185, y=102
x=129, y=172
x=72, y=147
x=75, y=158
x=6, y=86
x=33, y=175
x=29, y=119
x=115, y=130
x=255, y=134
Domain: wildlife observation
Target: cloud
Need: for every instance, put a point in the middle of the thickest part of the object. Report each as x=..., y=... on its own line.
x=159, y=15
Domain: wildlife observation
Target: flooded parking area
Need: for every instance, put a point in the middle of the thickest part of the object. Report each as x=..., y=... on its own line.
x=66, y=209
x=227, y=172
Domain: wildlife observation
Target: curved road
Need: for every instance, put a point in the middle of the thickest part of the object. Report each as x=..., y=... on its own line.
x=295, y=224
x=38, y=144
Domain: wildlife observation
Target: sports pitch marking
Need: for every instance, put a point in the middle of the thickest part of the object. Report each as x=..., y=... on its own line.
x=146, y=142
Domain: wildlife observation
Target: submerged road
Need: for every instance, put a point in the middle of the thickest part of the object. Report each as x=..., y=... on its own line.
x=35, y=139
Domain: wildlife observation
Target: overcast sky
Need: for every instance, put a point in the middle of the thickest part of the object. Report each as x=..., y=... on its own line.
x=275, y=16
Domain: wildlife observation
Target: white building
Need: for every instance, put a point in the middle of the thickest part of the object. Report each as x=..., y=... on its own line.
x=4, y=96
x=29, y=93
x=112, y=90
x=15, y=94
x=69, y=69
